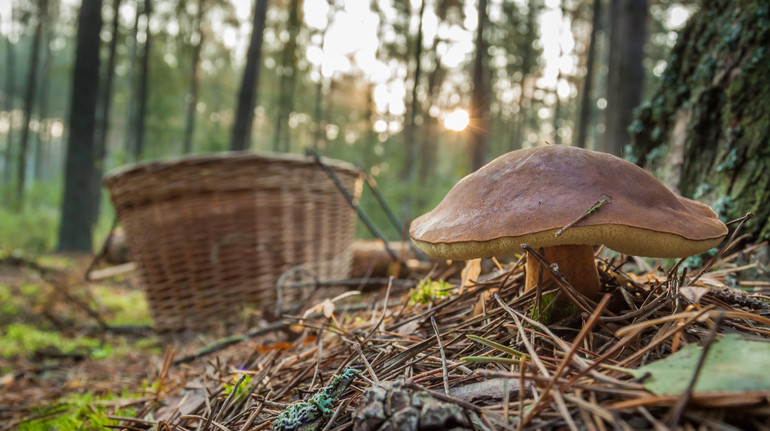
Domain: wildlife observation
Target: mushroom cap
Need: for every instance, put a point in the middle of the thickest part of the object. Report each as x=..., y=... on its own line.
x=527, y=195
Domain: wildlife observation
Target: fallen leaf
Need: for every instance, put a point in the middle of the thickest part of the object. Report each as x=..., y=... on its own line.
x=471, y=272
x=7, y=380
x=733, y=365
x=693, y=293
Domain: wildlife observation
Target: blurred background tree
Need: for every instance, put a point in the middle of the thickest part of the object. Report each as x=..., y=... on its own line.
x=417, y=92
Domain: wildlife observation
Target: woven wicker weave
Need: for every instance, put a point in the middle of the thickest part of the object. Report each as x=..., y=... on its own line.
x=212, y=234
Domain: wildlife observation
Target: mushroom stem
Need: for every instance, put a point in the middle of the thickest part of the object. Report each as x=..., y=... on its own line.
x=576, y=263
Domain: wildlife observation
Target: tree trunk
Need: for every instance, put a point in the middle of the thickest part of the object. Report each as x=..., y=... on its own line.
x=319, y=131
x=410, y=125
x=428, y=139
x=10, y=93
x=132, y=81
x=192, y=96
x=42, y=137
x=103, y=118
x=370, y=138
x=711, y=113
x=410, y=128
x=141, y=114
x=75, y=226
x=557, y=120
x=247, y=96
x=319, y=134
x=628, y=24
x=479, y=124
x=288, y=79
x=29, y=99
x=586, y=98
x=528, y=63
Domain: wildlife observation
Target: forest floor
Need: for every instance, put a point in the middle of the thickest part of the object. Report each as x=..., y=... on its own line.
x=470, y=353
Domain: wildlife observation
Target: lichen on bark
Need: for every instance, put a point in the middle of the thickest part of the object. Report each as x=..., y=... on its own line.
x=706, y=130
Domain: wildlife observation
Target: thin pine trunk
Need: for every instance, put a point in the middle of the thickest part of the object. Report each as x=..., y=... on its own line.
x=10, y=86
x=410, y=128
x=103, y=120
x=586, y=99
x=628, y=23
x=479, y=126
x=247, y=96
x=29, y=98
x=132, y=95
x=192, y=96
x=42, y=136
x=428, y=141
x=288, y=79
x=141, y=115
x=319, y=135
x=410, y=124
x=527, y=63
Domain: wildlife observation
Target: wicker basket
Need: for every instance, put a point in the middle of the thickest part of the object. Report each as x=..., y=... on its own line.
x=211, y=234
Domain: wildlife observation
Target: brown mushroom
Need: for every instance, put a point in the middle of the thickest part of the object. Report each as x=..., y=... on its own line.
x=526, y=196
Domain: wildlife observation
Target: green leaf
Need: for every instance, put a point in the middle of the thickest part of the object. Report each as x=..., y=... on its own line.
x=498, y=346
x=491, y=360
x=733, y=364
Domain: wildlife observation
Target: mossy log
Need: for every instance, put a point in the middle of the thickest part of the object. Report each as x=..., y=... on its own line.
x=707, y=129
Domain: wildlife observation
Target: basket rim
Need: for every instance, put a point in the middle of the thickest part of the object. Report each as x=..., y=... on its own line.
x=169, y=163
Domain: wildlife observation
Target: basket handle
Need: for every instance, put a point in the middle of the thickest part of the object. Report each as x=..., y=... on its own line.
x=92, y=274
x=341, y=187
x=360, y=212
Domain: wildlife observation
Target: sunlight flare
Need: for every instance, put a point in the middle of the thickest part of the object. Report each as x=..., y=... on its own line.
x=457, y=120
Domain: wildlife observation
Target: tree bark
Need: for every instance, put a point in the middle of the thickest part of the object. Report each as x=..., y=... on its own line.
x=132, y=80
x=586, y=98
x=29, y=99
x=428, y=145
x=42, y=137
x=479, y=121
x=247, y=96
x=192, y=96
x=528, y=62
x=410, y=123
x=410, y=128
x=103, y=119
x=75, y=226
x=288, y=80
x=628, y=28
x=319, y=131
x=706, y=128
x=10, y=93
x=144, y=76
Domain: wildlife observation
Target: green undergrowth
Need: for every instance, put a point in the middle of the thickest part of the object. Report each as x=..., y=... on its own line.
x=560, y=310
x=241, y=390
x=80, y=412
x=26, y=300
x=429, y=290
x=34, y=229
x=123, y=307
x=21, y=339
